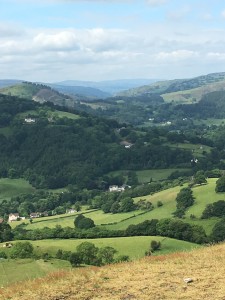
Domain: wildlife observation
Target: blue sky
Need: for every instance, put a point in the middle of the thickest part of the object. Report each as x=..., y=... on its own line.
x=54, y=40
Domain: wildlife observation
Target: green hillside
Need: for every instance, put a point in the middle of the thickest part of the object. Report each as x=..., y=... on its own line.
x=12, y=271
x=193, y=95
x=13, y=187
x=37, y=92
x=135, y=247
x=182, y=89
x=204, y=195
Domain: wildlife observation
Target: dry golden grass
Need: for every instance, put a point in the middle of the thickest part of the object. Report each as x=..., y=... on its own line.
x=156, y=277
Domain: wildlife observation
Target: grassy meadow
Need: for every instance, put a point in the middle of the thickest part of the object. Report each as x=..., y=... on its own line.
x=145, y=176
x=14, y=187
x=135, y=247
x=12, y=270
x=204, y=194
x=16, y=270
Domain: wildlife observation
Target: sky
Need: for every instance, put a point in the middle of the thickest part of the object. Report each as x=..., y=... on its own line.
x=56, y=40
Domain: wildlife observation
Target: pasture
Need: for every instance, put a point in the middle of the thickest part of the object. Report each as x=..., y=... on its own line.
x=145, y=176
x=204, y=194
x=98, y=216
x=16, y=270
x=14, y=187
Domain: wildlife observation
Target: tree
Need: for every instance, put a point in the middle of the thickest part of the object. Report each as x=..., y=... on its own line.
x=185, y=198
x=5, y=232
x=218, y=231
x=127, y=204
x=88, y=253
x=106, y=255
x=78, y=219
x=216, y=209
x=220, y=185
x=22, y=250
x=75, y=259
x=155, y=245
x=83, y=223
x=200, y=178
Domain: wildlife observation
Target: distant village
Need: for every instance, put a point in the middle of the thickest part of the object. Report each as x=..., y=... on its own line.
x=16, y=216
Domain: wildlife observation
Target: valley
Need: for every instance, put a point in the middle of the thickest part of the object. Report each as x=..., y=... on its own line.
x=75, y=174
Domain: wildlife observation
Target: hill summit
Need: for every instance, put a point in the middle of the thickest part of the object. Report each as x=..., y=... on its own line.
x=187, y=275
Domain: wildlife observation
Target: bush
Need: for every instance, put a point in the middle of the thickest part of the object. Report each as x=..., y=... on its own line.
x=22, y=250
x=75, y=259
x=155, y=245
x=3, y=254
x=122, y=258
x=83, y=223
x=159, y=203
x=220, y=185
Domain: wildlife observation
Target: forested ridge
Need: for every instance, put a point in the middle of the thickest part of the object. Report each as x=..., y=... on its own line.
x=53, y=153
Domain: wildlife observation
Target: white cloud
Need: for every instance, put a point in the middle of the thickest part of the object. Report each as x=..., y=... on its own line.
x=223, y=14
x=156, y=2
x=216, y=55
x=179, y=14
x=177, y=55
x=63, y=40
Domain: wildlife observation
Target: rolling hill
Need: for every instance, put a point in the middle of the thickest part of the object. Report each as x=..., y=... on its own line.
x=182, y=90
x=37, y=92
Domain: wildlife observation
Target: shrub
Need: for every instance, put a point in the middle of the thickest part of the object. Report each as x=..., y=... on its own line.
x=159, y=203
x=22, y=250
x=155, y=245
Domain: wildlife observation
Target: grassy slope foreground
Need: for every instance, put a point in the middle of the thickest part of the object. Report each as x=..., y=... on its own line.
x=151, y=278
x=12, y=271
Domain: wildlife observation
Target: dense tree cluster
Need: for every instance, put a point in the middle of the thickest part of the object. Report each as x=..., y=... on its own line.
x=83, y=222
x=184, y=199
x=216, y=209
x=78, y=152
x=166, y=227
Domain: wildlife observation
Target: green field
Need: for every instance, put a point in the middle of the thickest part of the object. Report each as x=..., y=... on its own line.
x=193, y=95
x=203, y=194
x=98, y=216
x=12, y=271
x=14, y=187
x=169, y=206
x=135, y=247
x=63, y=114
x=17, y=270
x=145, y=176
x=156, y=175
x=196, y=149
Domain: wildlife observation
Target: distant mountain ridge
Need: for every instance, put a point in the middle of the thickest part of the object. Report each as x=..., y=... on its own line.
x=108, y=86
x=215, y=82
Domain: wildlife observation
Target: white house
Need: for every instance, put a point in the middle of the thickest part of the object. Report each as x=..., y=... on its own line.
x=29, y=120
x=116, y=188
x=71, y=211
x=13, y=217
